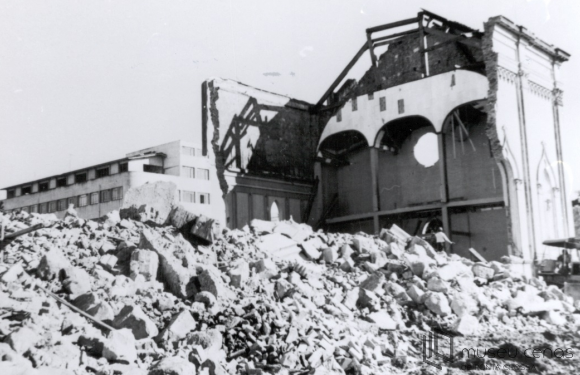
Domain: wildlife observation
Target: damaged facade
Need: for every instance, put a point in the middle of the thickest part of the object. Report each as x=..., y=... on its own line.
x=449, y=127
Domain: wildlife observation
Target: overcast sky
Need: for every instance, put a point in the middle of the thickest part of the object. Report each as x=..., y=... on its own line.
x=86, y=82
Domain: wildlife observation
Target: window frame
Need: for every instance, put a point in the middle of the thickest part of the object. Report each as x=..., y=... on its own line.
x=185, y=169
x=98, y=172
x=59, y=182
x=86, y=174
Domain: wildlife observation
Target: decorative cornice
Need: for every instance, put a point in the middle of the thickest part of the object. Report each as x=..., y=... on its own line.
x=539, y=90
x=506, y=74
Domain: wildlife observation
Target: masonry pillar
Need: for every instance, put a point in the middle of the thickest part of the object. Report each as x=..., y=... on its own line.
x=374, y=163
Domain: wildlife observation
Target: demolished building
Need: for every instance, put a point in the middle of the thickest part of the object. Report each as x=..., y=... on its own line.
x=364, y=157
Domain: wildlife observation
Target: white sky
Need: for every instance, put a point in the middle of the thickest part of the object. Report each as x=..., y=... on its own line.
x=86, y=82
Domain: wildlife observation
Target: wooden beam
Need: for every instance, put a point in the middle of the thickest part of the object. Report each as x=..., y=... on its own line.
x=371, y=50
x=468, y=41
x=342, y=75
x=392, y=25
x=395, y=35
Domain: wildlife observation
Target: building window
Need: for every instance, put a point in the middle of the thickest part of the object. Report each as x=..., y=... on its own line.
x=339, y=115
x=354, y=103
x=383, y=103
x=72, y=201
x=26, y=190
x=123, y=167
x=401, y=104
x=103, y=172
x=117, y=193
x=43, y=208
x=43, y=186
x=188, y=196
x=61, y=181
x=203, y=198
x=203, y=174
x=188, y=172
x=82, y=200
x=61, y=205
x=11, y=193
x=152, y=168
x=51, y=207
x=188, y=150
x=94, y=198
x=105, y=196
x=80, y=177
x=34, y=209
x=25, y=209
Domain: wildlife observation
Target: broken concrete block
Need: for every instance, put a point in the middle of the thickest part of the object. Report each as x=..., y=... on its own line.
x=437, y=303
x=12, y=274
x=452, y=271
x=23, y=339
x=207, y=298
x=174, y=273
x=330, y=254
x=283, y=288
x=373, y=282
x=172, y=366
x=483, y=271
x=266, y=268
x=203, y=229
x=144, y=262
x=364, y=244
x=51, y=264
x=120, y=346
x=278, y=245
x=383, y=320
x=262, y=226
x=122, y=286
x=178, y=328
x=94, y=306
x=416, y=294
x=295, y=231
x=435, y=284
x=379, y=258
x=466, y=325
x=463, y=304
x=368, y=299
x=108, y=261
x=134, y=318
x=347, y=265
x=554, y=317
x=76, y=282
x=181, y=218
x=346, y=251
x=211, y=281
x=239, y=273
x=149, y=202
x=310, y=250
x=351, y=298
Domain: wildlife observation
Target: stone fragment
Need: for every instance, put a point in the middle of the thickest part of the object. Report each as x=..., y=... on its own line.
x=172, y=366
x=347, y=265
x=330, y=254
x=134, y=318
x=278, y=245
x=144, y=262
x=149, y=202
x=383, y=320
x=266, y=268
x=466, y=325
x=437, y=303
x=22, y=339
x=483, y=271
x=179, y=326
x=122, y=286
x=283, y=288
x=239, y=273
x=554, y=317
x=452, y=271
x=363, y=244
x=94, y=306
x=435, y=284
x=51, y=264
x=310, y=250
x=346, y=251
x=12, y=274
x=368, y=299
x=373, y=282
x=463, y=304
x=351, y=298
x=108, y=261
x=120, y=346
x=76, y=282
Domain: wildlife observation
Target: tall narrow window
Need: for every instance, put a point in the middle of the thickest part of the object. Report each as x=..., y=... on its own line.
x=94, y=198
x=117, y=193
x=123, y=167
x=51, y=207
x=383, y=103
x=203, y=174
x=354, y=104
x=371, y=96
x=11, y=193
x=203, y=198
x=188, y=196
x=339, y=115
x=401, y=104
x=274, y=212
x=72, y=200
x=83, y=200
x=43, y=208
x=105, y=196
x=188, y=172
x=61, y=205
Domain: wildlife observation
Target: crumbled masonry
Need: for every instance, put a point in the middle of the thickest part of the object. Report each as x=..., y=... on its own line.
x=273, y=298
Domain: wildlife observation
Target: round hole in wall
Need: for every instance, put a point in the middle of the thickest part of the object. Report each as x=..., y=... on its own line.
x=426, y=150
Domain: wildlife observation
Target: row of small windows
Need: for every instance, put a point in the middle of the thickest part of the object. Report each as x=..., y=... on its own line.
x=62, y=181
x=199, y=173
x=97, y=197
x=371, y=96
x=194, y=197
x=191, y=151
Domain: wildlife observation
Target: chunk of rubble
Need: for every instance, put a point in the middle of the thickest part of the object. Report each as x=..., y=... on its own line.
x=52, y=263
x=144, y=262
x=437, y=303
x=133, y=318
x=172, y=366
x=120, y=346
x=178, y=328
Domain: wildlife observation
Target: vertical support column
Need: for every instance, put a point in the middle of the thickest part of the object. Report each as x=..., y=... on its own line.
x=525, y=154
x=374, y=159
x=422, y=45
x=234, y=211
x=251, y=207
x=444, y=189
x=371, y=49
x=318, y=204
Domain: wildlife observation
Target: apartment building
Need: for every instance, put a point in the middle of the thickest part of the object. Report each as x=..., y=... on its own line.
x=98, y=189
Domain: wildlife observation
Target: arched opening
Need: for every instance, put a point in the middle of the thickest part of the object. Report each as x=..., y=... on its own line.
x=274, y=212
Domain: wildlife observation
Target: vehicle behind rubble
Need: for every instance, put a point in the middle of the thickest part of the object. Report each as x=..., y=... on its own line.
x=562, y=272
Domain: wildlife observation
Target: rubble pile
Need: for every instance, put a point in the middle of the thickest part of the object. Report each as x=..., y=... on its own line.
x=123, y=296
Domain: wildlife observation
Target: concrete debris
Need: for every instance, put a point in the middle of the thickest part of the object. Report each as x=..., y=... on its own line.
x=274, y=298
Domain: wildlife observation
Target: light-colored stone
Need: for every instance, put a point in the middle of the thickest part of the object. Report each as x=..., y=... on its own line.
x=466, y=325
x=179, y=326
x=437, y=303
x=172, y=366
x=383, y=320
x=23, y=339
x=51, y=264
x=144, y=262
x=120, y=346
x=76, y=282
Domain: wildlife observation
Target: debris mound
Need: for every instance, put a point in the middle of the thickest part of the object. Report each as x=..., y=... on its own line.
x=131, y=296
